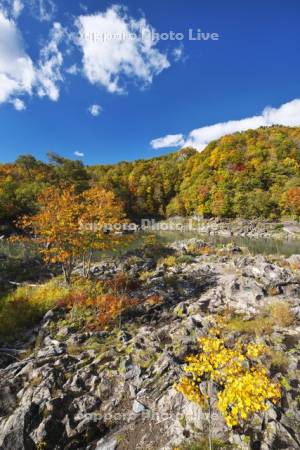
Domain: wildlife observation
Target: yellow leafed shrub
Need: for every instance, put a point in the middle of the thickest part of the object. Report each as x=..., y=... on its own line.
x=242, y=383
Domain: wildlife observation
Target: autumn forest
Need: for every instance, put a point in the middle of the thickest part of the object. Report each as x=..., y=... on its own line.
x=250, y=174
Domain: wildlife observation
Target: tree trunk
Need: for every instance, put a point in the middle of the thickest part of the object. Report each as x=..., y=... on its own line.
x=210, y=415
x=67, y=271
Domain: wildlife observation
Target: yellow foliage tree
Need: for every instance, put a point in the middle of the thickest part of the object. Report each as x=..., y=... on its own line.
x=102, y=219
x=232, y=376
x=69, y=226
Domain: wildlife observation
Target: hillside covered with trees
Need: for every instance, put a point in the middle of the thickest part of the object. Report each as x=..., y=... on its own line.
x=251, y=174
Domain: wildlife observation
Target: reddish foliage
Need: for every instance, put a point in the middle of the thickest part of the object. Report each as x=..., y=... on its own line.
x=240, y=167
x=122, y=283
x=292, y=200
x=203, y=193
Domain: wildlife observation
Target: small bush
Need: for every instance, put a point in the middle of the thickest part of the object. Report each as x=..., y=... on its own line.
x=168, y=261
x=110, y=307
x=96, y=311
x=196, y=249
x=279, y=361
x=275, y=314
x=83, y=292
x=256, y=326
x=155, y=300
x=185, y=259
x=280, y=314
x=144, y=276
x=121, y=283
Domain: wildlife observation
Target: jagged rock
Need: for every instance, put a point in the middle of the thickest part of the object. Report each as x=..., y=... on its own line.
x=137, y=407
x=122, y=390
x=110, y=444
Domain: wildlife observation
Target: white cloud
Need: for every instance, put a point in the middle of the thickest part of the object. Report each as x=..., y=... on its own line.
x=19, y=104
x=17, y=74
x=11, y=8
x=95, y=110
x=111, y=61
x=287, y=114
x=79, y=154
x=43, y=10
x=17, y=8
x=110, y=64
x=73, y=70
x=178, y=53
x=200, y=137
x=49, y=68
x=171, y=140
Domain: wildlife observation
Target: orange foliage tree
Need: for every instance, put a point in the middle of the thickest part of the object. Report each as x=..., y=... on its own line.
x=69, y=226
x=291, y=201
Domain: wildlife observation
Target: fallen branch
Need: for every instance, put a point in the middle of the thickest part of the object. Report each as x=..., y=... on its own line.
x=10, y=352
x=14, y=283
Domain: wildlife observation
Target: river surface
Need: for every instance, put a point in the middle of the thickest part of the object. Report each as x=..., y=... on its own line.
x=265, y=246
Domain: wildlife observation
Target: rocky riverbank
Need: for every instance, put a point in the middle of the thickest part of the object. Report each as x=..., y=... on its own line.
x=235, y=227
x=66, y=387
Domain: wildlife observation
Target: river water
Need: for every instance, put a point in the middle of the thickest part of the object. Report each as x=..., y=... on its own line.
x=265, y=246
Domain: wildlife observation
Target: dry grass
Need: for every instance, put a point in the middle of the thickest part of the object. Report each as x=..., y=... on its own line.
x=275, y=314
x=280, y=313
x=279, y=361
x=204, y=250
x=26, y=305
x=257, y=326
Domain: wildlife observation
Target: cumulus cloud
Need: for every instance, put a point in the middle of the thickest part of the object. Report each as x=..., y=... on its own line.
x=287, y=114
x=110, y=63
x=200, y=137
x=17, y=73
x=95, y=110
x=49, y=68
x=79, y=154
x=18, y=104
x=117, y=47
x=171, y=140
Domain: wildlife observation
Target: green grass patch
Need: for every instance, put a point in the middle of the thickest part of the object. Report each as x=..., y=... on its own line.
x=24, y=307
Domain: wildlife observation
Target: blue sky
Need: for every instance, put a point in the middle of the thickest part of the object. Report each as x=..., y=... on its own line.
x=146, y=98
